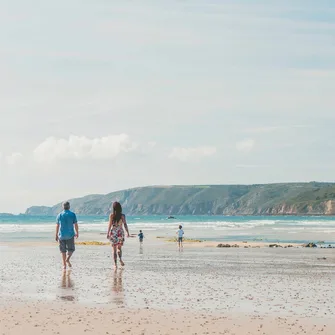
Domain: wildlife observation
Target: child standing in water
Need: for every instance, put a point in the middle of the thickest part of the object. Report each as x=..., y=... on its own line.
x=180, y=234
x=141, y=236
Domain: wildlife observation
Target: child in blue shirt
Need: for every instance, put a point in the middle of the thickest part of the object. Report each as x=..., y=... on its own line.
x=141, y=236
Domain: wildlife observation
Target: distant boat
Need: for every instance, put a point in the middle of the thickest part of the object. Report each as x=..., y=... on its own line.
x=171, y=217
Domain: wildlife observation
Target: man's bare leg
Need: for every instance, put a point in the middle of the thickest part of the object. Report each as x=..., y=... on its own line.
x=69, y=254
x=64, y=260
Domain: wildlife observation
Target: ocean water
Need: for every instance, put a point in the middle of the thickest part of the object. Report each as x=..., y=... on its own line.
x=221, y=228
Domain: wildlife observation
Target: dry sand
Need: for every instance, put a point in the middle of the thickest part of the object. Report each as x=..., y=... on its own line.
x=37, y=318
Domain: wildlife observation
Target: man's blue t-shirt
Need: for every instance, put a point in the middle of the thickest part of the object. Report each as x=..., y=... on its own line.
x=66, y=221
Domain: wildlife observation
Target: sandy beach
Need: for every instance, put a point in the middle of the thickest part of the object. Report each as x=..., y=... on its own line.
x=201, y=290
x=34, y=319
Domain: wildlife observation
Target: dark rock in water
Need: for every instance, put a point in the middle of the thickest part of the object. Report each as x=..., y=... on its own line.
x=322, y=259
x=275, y=246
x=221, y=245
x=310, y=245
x=329, y=246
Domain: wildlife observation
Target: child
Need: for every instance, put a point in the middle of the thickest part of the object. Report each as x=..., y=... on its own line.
x=180, y=234
x=140, y=236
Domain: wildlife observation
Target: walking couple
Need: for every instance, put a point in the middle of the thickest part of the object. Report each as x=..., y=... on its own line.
x=67, y=230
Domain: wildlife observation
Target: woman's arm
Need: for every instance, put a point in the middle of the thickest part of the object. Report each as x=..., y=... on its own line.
x=125, y=224
x=110, y=225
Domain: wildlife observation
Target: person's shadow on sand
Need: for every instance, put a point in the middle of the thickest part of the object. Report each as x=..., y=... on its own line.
x=141, y=249
x=67, y=284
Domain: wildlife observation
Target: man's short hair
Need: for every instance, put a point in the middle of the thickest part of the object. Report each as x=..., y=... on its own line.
x=66, y=205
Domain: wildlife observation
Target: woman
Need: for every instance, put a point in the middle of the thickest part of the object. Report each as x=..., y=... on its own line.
x=115, y=231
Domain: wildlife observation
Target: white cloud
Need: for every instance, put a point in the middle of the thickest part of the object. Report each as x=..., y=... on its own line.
x=80, y=147
x=186, y=154
x=245, y=145
x=14, y=158
x=152, y=144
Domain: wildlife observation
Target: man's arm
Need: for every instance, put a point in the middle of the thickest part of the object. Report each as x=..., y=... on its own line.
x=76, y=229
x=57, y=228
x=75, y=222
x=57, y=231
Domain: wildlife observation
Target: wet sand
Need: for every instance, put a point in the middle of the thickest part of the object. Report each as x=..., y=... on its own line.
x=164, y=291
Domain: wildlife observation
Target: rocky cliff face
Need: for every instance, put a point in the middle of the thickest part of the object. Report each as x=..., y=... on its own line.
x=271, y=199
x=330, y=207
x=39, y=210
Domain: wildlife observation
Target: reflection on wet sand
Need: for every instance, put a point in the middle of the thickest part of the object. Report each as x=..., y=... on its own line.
x=67, y=284
x=141, y=249
x=117, y=287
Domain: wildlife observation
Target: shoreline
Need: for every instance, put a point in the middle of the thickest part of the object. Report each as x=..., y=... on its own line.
x=204, y=244
x=176, y=216
x=166, y=241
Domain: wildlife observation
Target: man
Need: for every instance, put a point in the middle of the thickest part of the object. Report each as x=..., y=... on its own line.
x=66, y=231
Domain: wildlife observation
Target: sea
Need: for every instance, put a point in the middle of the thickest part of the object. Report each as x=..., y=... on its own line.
x=272, y=229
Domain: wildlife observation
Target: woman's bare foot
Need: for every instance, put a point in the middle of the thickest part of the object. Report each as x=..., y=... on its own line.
x=115, y=267
x=68, y=263
x=121, y=262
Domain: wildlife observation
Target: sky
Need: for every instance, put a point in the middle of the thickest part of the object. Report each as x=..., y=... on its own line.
x=97, y=96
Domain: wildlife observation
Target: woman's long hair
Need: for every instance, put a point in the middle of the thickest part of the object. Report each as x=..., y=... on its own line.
x=117, y=212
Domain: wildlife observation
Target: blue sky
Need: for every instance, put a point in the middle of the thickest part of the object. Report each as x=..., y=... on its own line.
x=104, y=95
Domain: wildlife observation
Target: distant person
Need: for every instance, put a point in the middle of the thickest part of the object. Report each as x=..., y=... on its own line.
x=180, y=234
x=140, y=236
x=66, y=231
x=115, y=233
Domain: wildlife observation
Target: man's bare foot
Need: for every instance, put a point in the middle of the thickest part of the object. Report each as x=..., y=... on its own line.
x=64, y=267
x=115, y=267
x=121, y=262
x=68, y=263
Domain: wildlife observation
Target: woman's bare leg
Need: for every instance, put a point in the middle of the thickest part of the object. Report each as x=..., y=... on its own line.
x=115, y=256
x=119, y=251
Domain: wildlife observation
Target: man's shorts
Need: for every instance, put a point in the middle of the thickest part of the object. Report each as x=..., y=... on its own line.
x=66, y=245
x=180, y=239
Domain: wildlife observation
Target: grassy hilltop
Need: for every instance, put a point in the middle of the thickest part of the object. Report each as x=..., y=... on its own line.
x=264, y=199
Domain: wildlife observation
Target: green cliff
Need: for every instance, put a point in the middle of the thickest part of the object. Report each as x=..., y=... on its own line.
x=268, y=199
